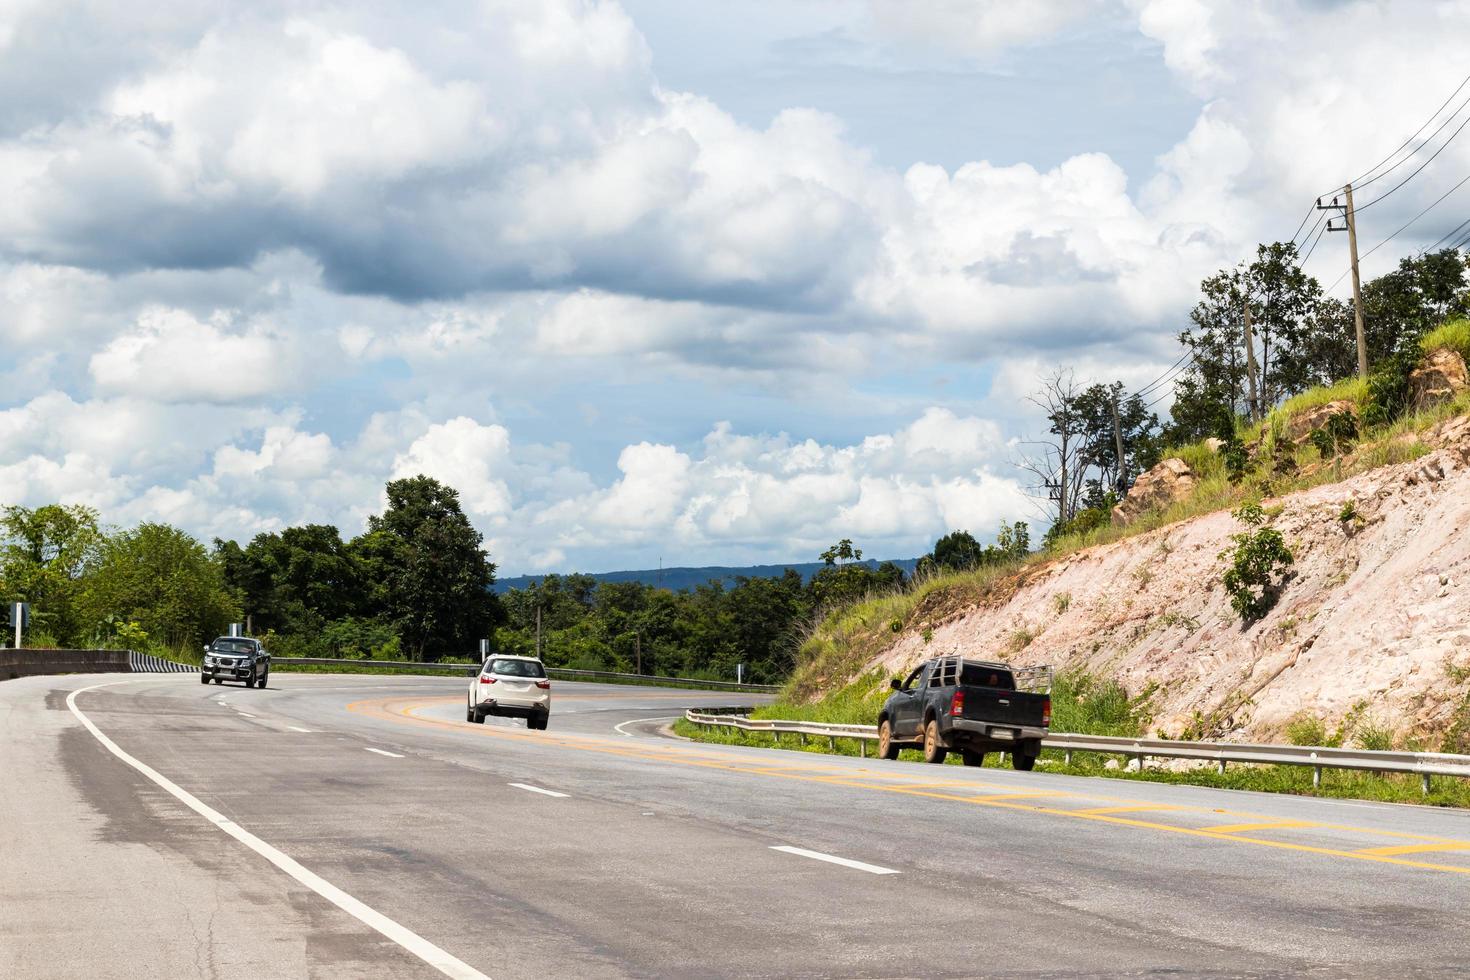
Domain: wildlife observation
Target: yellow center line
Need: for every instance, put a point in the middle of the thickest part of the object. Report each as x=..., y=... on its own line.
x=1416, y=848
x=383, y=709
x=1237, y=828
x=1013, y=796
x=1131, y=808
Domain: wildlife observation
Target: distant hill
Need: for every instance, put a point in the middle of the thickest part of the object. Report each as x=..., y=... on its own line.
x=680, y=579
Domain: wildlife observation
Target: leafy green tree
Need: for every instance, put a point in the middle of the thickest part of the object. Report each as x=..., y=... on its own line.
x=426, y=571
x=164, y=581
x=958, y=550
x=1258, y=564
x=44, y=556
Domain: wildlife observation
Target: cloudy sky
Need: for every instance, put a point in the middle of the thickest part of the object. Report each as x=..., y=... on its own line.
x=707, y=282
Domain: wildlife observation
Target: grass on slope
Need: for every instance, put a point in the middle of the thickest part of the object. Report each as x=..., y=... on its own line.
x=1454, y=335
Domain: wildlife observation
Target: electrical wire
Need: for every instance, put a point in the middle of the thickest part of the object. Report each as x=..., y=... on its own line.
x=1463, y=181
x=1416, y=173
x=1448, y=119
x=1299, y=227
x=1412, y=136
x=1445, y=238
x=1161, y=378
x=1303, y=260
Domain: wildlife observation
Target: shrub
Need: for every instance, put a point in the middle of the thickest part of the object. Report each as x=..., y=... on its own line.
x=1257, y=563
x=1338, y=432
x=1388, y=388
x=1307, y=730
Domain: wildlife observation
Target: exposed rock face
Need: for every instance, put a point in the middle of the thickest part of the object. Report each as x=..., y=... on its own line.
x=1377, y=611
x=1301, y=427
x=1438, y=378
x=1167, y=482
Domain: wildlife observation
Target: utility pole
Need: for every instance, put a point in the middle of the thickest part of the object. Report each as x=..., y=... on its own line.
x=1350, y=225
x=1122, y=485
x=538, y=631
x=1250, y=364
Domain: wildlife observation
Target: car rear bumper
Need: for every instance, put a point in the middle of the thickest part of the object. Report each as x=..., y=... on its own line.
x=966, y=728
x=516, y=709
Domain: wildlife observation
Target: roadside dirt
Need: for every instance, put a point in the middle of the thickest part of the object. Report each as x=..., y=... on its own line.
x=1373, y=624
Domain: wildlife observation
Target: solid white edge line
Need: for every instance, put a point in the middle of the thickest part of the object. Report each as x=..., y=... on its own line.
x=368, y=916
x=304, y=731
x=830, y=859
x=244, y=715
x=634, y=721
x=391, y=755
x=538, y=789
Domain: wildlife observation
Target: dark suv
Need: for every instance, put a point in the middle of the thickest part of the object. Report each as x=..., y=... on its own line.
x=235, y=658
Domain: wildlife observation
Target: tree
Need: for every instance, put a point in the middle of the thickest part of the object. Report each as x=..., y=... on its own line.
x=957, y=550
x=1060, y=462
x=1283, y=309
x=846, y=579
x=165, y=581
x=45, y=553
x=426, y=571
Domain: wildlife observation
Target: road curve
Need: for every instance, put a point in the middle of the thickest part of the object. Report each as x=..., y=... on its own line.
x=166, y=828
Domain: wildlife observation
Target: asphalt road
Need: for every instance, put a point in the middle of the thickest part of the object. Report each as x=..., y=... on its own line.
x=355, y=826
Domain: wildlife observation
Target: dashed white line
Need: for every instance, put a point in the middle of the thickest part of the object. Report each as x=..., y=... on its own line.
x=831, y=859
x=408, y=939
x=391, y=755
x=304, y=731
x=244, y=715
x=538, y=789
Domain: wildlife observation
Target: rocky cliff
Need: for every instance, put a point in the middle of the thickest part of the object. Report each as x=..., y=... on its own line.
x=1373, y=621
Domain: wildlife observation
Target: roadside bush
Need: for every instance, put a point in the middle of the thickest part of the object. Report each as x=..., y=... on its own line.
x=1257, y=564
x=1388, y=388
x=1309, y=730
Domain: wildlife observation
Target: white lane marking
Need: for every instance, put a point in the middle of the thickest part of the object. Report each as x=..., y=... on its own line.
x=391, y=755
x=634, y=721
x=244, y=715
x=538, y=789
x=368, y=916
x=830, y=859
x=304, y=731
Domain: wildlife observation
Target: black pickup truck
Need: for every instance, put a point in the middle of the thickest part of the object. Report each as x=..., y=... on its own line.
x=973, y=706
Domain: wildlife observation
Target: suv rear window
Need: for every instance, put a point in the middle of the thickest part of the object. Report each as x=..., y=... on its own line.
x=233, y=646
x=979, y=675
x=515, y=668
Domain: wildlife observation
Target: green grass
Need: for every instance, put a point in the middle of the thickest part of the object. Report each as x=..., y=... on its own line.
x=1455, y=335
x=1352, y=389
x=1445, y=791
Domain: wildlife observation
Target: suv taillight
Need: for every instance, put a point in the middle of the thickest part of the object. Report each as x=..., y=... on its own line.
x=487, y=680
x=544, y=685
x=957, y=703
x=1046, y=712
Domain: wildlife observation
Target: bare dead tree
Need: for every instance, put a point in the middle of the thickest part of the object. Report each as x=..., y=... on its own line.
x=1058, y=462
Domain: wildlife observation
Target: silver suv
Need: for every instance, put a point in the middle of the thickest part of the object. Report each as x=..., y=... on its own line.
x=235, y=658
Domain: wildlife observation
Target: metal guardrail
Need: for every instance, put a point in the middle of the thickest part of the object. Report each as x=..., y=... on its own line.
x=1423, y=764
x=561, y=673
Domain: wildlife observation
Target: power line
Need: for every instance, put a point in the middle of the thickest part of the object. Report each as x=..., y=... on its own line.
x=1445, y=238
x=1420, y=168
x=1304, y=258
x=1463, y=181
x=1304, y=224
x=1427, y=140
x=1161, y=378
x=1416, y=132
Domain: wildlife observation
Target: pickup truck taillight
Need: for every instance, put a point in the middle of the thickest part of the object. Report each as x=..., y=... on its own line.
x=544, y=685
x=1046, y=712
x=957, y=704
x=487, y=680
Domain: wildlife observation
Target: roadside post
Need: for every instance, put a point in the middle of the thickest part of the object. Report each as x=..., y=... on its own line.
x=20, y=615
x=484, y=649
x=739, y=673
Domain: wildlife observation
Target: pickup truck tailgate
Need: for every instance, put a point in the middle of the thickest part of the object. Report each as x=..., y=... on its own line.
x=1018, y=708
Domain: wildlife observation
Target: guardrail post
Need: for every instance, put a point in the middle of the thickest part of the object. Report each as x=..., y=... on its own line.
x=1222, y=767
x=1316, y=776
x=831, y=744
x=1067, y=757
x=863, y=749
x=802, y=735
x=1424, y=783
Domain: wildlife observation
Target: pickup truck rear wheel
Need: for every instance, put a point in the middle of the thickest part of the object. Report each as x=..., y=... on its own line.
x=1022, y=761
x=934, y=750
x=972, y=758
x=886, y=747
